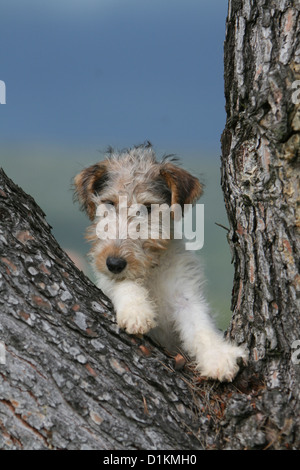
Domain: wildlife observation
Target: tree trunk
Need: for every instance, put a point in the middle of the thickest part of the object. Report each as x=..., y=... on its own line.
x=260, y=181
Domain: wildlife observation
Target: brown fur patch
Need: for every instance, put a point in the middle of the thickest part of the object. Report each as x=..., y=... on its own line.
x=185, y=188
x=89, y=182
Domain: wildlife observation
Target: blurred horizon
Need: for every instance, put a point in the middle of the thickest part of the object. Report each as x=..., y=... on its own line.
x=81, y=76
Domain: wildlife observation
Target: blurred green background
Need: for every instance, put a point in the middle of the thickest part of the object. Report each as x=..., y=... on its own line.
x=82, y=75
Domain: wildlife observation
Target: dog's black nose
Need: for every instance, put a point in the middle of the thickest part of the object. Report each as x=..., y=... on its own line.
x=115, y=265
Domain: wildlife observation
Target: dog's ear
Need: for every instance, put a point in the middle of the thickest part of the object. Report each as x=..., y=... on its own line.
x=88, y=183
x=185, y=188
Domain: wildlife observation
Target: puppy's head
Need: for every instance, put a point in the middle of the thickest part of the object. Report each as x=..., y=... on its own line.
x=137, y=175
x=177, y=186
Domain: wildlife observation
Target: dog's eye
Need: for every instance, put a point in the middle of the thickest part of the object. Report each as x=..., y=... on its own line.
x=108, y=203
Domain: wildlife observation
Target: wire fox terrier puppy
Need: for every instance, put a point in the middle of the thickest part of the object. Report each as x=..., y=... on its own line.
x=154, y=282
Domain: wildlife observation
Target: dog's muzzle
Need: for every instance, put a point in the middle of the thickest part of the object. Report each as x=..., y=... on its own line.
x=116, y=265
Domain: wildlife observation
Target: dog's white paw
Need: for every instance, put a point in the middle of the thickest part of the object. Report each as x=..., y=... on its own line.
x=136, y=319
x=221, y=363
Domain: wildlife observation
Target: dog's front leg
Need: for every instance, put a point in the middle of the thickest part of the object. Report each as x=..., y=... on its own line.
x=214, y=356
x=134, y=310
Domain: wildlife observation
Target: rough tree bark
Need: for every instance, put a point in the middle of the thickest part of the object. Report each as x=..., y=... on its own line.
x=260, y=180
x=72, y=380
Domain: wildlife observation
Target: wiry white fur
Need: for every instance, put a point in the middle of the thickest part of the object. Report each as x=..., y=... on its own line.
x=168, y=306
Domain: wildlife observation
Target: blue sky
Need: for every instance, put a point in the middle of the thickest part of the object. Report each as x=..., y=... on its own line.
x=113, y=72
x=82, y=75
